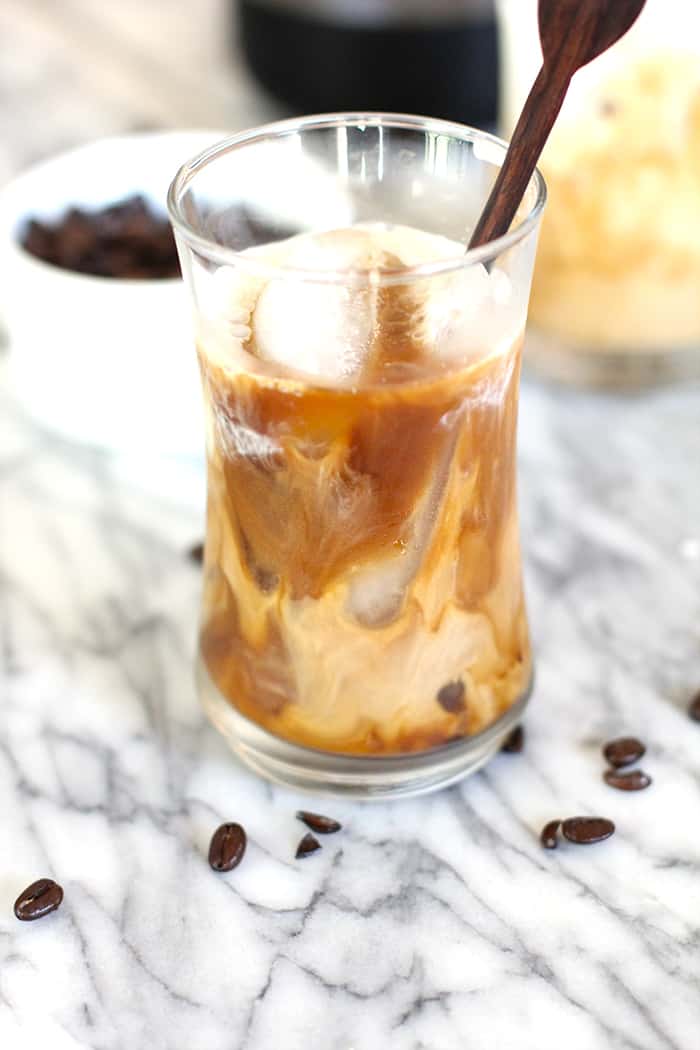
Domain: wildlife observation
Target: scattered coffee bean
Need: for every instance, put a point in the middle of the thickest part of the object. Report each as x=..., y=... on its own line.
x=586, y=830
x=513, y=744
x=632, y=780
x=623, y=751
x=196, y=553
x=321, y=825
x=307, y=846
x=694, y=708
x=548, y=835
x=127, y=239
x=39, y=899
x=451, y=697
x=227, y=847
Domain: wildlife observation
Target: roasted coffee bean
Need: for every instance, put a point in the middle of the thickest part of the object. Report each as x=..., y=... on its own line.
x=321, y=825
x=39, y=241
x=39, y=899
x=623, y=751
x=513, y=743
x=196, y=553
x=227, y=847
x=307, y=846
x=548, y=835
x=694, y=708
x=75, y=239
x=632, y=780
x=126, y=240
x=451, y=697
x=585, y=831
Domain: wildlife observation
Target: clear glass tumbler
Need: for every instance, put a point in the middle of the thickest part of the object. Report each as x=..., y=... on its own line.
x=363, y=626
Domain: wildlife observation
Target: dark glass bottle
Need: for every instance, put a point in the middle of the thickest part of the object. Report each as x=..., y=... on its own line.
x=433, y=57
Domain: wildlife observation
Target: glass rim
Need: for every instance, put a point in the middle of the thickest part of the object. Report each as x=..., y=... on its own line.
x=279, y=129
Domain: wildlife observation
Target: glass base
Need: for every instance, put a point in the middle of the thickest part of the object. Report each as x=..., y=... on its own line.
x=353, y=776
x=549, y=357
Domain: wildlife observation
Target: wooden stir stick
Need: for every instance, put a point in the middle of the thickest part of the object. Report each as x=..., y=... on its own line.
x=572, y=33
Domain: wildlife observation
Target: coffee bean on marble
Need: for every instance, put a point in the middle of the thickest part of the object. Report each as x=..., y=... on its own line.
x=318, y=823
x=513, y=743
x=39, y=899
x=451, y=697
x=308, y=845
x=631, y=780
x=623, y=751
x=584, y=831
x=548, y=835
x=227, y=847
x=694, y=708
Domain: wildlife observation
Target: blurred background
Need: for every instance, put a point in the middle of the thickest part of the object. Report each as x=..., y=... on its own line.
x=615, y=301
x=76, y=73
x=73, y=70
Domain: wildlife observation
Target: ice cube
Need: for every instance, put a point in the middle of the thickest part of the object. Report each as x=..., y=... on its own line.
x=322, y=329
x=377, y=591
x=501, y=287
x=356, y=248
x=454, y=305
x=228, y=297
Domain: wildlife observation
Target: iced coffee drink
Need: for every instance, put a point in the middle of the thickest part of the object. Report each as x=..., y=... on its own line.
x=362, y=595
x=362, y=586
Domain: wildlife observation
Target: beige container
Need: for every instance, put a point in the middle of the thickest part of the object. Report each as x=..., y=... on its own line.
x=616, y=293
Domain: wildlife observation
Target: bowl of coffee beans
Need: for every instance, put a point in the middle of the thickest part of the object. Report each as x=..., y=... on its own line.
x=100, y=338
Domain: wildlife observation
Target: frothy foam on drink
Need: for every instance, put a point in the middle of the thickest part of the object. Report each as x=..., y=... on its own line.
x=339, y=311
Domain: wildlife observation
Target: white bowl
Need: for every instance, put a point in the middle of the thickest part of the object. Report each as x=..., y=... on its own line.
x=101, y=360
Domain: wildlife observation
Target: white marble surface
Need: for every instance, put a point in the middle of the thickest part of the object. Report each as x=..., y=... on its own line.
x=438, y=924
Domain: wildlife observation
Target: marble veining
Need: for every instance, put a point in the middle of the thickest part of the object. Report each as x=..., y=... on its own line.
x=437, y=924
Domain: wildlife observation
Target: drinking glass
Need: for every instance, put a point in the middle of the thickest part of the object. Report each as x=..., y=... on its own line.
x=363, y=628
